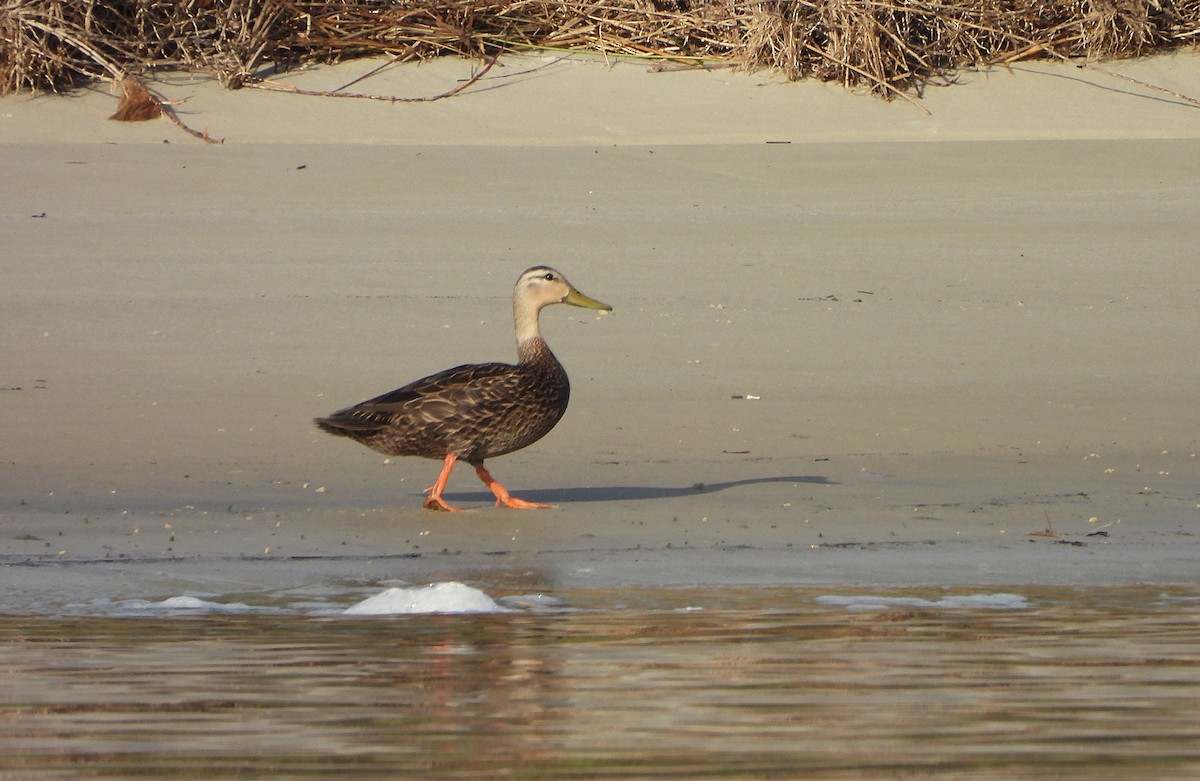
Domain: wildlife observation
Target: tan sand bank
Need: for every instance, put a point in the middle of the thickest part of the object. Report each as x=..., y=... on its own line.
x=557, y=101
x=852, y=358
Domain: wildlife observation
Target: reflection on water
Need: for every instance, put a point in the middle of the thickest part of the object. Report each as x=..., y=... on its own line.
x=734, y=683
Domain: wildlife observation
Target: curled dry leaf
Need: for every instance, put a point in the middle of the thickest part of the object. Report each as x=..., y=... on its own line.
x=137, y=104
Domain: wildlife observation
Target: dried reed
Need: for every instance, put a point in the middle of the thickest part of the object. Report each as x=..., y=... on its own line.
x=883, y=46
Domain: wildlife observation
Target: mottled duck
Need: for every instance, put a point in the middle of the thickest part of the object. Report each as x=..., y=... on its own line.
x=477, y=411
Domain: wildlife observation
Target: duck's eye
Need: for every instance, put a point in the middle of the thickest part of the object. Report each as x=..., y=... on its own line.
x=549, y=277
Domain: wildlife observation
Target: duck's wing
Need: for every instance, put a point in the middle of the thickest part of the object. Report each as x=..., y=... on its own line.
x=440, y=398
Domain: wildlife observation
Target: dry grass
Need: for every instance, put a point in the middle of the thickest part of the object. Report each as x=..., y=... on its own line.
x=886, y=47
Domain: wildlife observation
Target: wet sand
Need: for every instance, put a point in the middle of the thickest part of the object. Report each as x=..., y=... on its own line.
x=852, y=343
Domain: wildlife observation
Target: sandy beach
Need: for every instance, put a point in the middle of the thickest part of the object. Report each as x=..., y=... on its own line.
x=852, y=342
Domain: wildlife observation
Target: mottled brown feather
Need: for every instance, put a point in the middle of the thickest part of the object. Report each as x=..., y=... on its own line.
x=476, y=411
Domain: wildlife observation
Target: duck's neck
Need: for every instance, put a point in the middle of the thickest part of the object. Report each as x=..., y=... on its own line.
x=529, y=339
x=535, y=351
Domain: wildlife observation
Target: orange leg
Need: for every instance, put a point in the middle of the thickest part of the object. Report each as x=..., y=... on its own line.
x=502, y=495
x=435, y=501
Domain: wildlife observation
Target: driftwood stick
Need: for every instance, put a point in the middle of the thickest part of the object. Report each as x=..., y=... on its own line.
x=1185, y=98
x=391, y=61
x=270, y=86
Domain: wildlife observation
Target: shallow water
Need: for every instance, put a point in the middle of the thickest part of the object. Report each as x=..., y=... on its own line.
x=665, y=683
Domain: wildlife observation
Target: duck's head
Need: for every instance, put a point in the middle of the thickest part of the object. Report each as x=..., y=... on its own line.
x=541, y=286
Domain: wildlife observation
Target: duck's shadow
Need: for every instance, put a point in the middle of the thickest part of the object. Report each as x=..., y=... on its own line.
x=616, y=493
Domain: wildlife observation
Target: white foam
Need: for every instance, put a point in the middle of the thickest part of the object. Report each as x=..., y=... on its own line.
x=180, y=604
x=534, y=603
x=450, y=597
x=964, y=602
